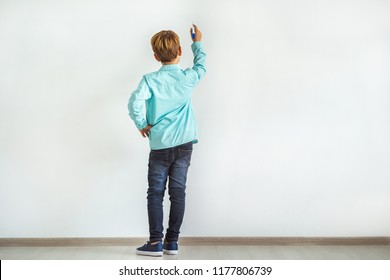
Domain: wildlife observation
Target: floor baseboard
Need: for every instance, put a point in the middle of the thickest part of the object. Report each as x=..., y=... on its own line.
x=198, y=241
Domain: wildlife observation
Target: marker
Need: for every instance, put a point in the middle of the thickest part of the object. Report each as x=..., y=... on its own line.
x=193, y=35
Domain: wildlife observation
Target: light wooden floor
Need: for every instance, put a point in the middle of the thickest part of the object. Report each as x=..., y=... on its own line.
x=187, y=252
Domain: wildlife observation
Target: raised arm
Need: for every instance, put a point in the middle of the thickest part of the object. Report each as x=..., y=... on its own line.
x=199, y=54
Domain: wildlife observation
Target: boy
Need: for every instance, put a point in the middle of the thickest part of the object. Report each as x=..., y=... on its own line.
x=170, y=125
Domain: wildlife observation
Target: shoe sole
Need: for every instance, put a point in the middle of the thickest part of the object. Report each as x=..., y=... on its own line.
x=170, y=252
x=149, y=254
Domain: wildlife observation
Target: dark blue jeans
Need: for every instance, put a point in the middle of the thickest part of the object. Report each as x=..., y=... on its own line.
x=172, y=164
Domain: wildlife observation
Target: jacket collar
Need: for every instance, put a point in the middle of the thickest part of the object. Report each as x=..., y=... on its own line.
x=170, y=67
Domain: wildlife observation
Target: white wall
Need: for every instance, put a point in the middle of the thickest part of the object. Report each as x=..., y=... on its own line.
x=294, y=117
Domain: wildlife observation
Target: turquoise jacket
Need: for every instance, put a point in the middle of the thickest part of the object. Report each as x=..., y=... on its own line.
x=163, y=100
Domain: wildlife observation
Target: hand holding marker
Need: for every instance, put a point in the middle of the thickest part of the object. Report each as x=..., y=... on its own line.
x=196, y=35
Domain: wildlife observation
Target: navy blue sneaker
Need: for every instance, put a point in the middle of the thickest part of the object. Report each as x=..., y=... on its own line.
x=171, y=248
x=148, y=249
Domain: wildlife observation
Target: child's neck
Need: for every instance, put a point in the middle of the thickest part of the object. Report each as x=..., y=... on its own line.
x=175, y=61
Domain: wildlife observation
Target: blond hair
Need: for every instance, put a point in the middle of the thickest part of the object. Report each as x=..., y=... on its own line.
x=165, y=45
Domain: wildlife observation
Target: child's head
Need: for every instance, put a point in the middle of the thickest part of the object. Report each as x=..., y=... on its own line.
x=166, y=46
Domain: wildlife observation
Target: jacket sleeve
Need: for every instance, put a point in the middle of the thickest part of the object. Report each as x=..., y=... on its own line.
x=137, y=104
x=199, y=69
